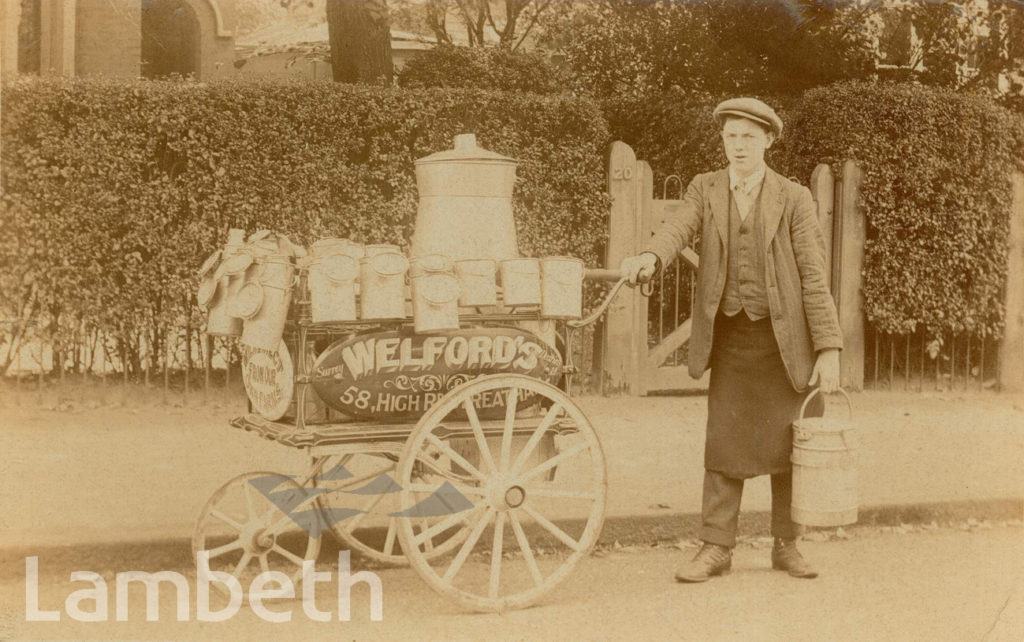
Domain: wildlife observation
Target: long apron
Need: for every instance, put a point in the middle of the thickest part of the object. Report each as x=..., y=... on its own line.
x=751, y=403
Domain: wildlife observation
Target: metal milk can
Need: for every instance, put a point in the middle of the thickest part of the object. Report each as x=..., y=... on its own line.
x=382, y=283
x=332, y=279
x=263, y=304
x=561, y=287
x=824, y=469
x=332, y=288
x=520, y=282
x=465, y=206
x=219, y=285
x=435, y=302
x=476, y=282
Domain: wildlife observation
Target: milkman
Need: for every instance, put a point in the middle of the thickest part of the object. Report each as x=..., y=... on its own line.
x=763, y=321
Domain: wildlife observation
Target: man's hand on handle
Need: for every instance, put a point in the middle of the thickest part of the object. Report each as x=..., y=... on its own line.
x=639, y=268
x=826, y=371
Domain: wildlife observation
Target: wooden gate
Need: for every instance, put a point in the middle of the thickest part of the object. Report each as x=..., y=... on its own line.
x=642, y=354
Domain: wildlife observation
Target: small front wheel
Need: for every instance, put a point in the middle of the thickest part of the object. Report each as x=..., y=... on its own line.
x=258, y=522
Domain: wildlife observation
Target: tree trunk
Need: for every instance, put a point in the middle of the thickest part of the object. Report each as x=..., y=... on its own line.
x=360, y=36
x=56, y=341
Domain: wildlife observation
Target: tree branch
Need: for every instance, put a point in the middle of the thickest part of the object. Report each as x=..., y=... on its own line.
x=533, y=21
x=437, y=17
x=494, y=25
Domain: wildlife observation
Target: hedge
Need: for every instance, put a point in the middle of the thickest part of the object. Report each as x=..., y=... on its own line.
x=937, y=195
x=936, y=188
x=115, y=191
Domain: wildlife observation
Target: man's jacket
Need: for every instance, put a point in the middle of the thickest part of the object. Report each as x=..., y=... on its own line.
x=803, y=314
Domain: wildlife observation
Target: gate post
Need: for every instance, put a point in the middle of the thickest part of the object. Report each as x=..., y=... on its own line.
x=850, y=233
x=621, y=363
x=1011, y=349
x=823, y=189
x=645, y=229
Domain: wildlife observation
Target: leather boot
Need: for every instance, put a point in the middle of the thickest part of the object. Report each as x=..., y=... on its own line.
x=710, y=560
x=786, y=557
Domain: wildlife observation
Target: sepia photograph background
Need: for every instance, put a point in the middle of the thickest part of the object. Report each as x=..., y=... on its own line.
x=134, y=134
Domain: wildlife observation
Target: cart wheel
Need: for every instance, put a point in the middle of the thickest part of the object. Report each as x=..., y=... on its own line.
x=247, y=534
x=367, y=485
x=511, y=493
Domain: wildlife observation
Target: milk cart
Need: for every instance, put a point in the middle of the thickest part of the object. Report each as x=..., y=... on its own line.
x=498, y=457
x=458, y=451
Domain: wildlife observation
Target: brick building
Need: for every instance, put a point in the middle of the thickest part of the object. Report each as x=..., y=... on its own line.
x=119, y=38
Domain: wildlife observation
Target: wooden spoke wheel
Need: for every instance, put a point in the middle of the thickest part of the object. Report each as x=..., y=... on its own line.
x=527, y=528
x=257, y=522
x=362, y=497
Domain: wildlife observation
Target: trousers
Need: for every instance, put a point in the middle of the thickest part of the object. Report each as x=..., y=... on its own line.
x=720, y=509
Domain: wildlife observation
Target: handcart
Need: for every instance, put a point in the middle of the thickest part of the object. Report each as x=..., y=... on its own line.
x=493, y=492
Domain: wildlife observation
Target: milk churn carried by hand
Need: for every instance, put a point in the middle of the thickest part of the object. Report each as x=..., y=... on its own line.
x=824, y=468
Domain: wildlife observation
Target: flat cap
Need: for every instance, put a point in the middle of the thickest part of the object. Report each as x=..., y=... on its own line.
x=751, y=109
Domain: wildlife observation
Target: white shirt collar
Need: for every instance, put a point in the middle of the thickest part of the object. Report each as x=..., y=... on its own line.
x=750, y=183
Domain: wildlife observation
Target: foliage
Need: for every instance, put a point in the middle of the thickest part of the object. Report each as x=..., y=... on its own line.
x=936, y=191
x=490, y=68
x=253, y=16
x=966, y=45
x=114, y=191
x=477, y=23
x=630, y=47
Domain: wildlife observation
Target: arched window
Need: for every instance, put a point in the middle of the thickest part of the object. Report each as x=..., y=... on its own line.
x=170, y=38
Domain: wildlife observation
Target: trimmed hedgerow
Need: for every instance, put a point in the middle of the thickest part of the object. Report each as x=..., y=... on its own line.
x=115, y=191
x=937, y=194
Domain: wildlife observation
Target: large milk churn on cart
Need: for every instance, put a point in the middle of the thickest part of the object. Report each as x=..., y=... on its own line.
x=824, y=469
x=465, y=206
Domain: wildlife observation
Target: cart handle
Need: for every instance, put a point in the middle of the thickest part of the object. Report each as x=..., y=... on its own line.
x=602, y=274
x=605, y=274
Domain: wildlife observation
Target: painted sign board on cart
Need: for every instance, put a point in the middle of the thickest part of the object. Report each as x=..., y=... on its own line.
x=396, y=374
x=268, y=376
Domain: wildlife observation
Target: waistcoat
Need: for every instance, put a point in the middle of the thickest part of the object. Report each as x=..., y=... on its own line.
x=745, y=281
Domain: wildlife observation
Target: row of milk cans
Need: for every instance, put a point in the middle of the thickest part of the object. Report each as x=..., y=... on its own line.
x=247, y=286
